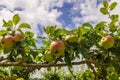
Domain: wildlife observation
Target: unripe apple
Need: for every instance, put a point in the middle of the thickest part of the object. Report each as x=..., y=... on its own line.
x=71, y=38
x=7, y=41
x=18, y=37
x=107, y=42
x=57, y=48
x=48, y=56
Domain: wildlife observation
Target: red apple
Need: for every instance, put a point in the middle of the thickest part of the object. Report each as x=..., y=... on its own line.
x=71, y=38
x=57, y=48
x=7, y=41
x=18, y=37
x=107, y=42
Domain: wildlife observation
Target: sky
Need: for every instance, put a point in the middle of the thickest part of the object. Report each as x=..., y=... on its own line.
x=67, y=14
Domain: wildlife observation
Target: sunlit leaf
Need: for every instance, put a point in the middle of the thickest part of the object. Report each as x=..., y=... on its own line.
x=3, y=32
x=16, y=19
x=87, y=25
x=113, y=5
x=24, y=25
x=104, y=10
x=8, y=24
x=105, y=4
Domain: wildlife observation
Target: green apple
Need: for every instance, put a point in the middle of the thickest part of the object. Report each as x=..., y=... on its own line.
x=71, y=38
x=57, y=48
x=48, y=56
x=18, y=37
x=7, y=41
x=107, y=42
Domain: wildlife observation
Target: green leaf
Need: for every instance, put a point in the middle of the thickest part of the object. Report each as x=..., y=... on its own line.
x=83, y=30
x=84, y=52
x=104, y=10
x=24, y=25
x=68, y=61
x=16, y=19
x=28, y=33
x=2, y=74
x=20, y=79
x=105, y=4
x=114, y=17
x=99, y=28
x=19, y=30
x=112, y=26
x=87, y=25
x=50, y=29
x=3, y=32
x=113, y=5
x=8, y=24
x=59, y=32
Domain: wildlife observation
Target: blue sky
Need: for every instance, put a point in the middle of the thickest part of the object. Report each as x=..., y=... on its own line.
x=63, y=13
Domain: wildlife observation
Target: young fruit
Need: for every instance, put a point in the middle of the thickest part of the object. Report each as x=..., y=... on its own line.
x=107, y=42
x=7, y=41
x=48, y=56
x=18, y=37
x=57, y=48
x=71, y=38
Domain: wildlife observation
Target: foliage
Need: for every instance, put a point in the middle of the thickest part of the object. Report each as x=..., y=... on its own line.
x=103, y=64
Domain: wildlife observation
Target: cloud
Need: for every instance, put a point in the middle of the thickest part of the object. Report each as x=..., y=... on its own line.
x=43, y=12
x=89, y=11
x=32, y=11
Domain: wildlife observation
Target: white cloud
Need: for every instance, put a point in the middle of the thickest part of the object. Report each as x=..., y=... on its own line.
x=34, y=11
x=90, y=12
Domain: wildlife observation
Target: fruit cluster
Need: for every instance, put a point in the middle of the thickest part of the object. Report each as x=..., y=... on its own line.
x=8, y=41
x=57, y=47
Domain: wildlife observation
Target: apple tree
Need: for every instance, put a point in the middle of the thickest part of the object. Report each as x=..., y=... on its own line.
x=98, y=46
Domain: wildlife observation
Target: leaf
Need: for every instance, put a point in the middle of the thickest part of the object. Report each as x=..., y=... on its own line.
x=114, y=17
x=105, y=4
x=2, y=74
x=83, y=30
x=112, y=26
x=16, y=19
x=60, y=32
x=3, y=32
x=20, y=79
x=68, y=61
x=8, y=24
x=28, y=33
x=50, y=29
x=113, y=5
x=24, y=25
x=104, y=10
x=99, y=28
x=84, y=52
x=87, y=25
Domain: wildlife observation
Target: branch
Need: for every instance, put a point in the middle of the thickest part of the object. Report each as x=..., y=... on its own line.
x=35, y=65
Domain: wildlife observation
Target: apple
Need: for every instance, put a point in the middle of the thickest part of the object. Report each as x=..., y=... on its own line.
x=107, y=42
x=57, y=48
x=7, y=41
x=18, y=37
x=71, y=38
x=48, y=56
